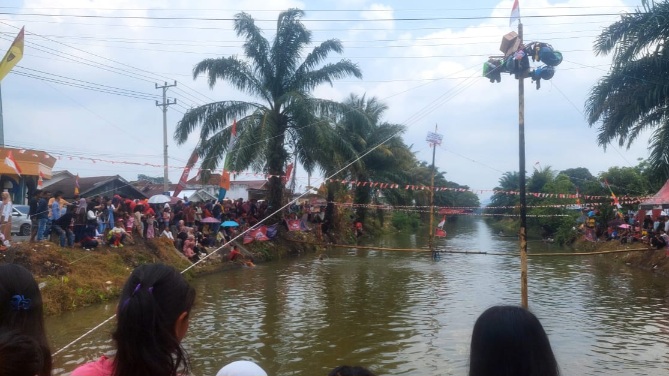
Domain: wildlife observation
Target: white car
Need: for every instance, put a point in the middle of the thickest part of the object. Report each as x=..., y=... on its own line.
x=20, y=222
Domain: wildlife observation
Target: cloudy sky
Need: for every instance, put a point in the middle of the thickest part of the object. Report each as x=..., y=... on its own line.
x=423, y=58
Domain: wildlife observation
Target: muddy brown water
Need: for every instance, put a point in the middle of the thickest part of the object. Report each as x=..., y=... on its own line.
x=404, y=314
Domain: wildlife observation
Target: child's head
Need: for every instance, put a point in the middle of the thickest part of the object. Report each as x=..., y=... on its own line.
x=509, y=340
x=241, y=368
x=21, y=308
x=20, y=355
x=152, y=320
x=350, y=371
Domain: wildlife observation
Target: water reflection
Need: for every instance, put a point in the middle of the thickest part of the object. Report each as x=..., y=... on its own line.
x=404, y=314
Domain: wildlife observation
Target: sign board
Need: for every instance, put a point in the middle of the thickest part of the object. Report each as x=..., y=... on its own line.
x=434, y=138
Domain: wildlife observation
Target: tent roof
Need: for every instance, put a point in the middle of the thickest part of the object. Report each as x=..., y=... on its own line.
x=659, y=201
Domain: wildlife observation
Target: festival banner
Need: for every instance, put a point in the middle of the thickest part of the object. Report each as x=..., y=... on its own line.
x=184, y=175
x=13, y=55
x=258, y=234
x=293, y=225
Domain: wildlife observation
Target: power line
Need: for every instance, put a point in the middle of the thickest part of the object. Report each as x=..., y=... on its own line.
x=218, y=19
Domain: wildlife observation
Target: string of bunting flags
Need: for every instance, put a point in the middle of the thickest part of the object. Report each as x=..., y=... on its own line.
x=471, y=213
x=356, y=183
x=384, y=206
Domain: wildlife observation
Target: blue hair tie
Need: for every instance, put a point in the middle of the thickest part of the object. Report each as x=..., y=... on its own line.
x=19, y=302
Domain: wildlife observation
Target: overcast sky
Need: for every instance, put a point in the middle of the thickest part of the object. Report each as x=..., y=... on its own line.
x=422, y=58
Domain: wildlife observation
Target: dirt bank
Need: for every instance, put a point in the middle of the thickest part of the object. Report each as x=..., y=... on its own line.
x=72, y=278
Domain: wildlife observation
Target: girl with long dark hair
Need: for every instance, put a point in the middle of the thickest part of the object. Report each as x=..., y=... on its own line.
x=152, y=319
x=21, y=310
x=510, y=341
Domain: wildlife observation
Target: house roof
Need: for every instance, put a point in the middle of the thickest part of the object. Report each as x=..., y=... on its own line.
x=659, y=200
x=30, y=162
x=151, y=189
x=95, y=185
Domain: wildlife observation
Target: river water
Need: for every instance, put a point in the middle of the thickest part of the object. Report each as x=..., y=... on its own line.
x=401, y=313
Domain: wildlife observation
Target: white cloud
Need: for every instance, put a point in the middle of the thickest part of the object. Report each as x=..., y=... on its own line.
x=427, y=72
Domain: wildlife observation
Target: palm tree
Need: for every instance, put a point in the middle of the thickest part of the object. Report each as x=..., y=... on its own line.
x=634, y=95
x=286, y=118
x=376, y=144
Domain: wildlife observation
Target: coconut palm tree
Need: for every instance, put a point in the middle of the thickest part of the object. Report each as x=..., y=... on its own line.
x=634, y=95
x=286, y=118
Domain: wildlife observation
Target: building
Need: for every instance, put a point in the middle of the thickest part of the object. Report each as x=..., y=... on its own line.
x=244, y=189
x=109, y=186
x=32, y=164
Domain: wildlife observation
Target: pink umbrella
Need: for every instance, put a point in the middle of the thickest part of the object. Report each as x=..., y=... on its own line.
x=624, y=225
x=210, y=220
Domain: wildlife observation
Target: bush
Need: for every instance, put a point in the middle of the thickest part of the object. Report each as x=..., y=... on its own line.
x=405, y=221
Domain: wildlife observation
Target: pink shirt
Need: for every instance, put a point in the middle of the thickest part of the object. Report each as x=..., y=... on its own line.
x=101, y=367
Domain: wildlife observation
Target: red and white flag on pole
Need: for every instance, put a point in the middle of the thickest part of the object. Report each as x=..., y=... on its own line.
x=11, y=162
x=40, y=180
x=515, y=13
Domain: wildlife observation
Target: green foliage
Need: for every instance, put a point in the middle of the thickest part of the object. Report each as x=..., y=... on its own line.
x=406, y=221
x=285, y=120
x=632, y=98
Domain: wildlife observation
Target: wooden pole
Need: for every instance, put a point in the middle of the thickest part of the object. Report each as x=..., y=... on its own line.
x=431, y=239
x=521, y=181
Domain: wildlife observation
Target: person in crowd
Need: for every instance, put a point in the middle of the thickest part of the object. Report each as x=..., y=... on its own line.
x=241, y=368
x=32, y=214
x=139, y=225
x=167, y=234
x=129, y=221
x=510, y=341
x=42, y=214
x=20, y=355
x=64, y=227
x=658, y=241
x=188, y=248
x=6, y=210
x=117, y=235
x=22, y=311
x=350, y=371
x=150, y=226
x=151, y=321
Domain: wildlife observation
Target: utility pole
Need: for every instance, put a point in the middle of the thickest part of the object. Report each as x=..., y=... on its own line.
x=164, y=105
x=434, y=139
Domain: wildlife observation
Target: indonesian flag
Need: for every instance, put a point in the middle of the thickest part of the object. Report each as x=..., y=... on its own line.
x=286, y=177
x=11, y=162
x=40, y=180
x=515, y=13
x=442, y=223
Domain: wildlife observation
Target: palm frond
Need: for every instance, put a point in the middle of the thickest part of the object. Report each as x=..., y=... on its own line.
x=291, y=37
x=235, y=71
x=256, y=46
x=318, y=55
x=307, y=81
x=211, y=117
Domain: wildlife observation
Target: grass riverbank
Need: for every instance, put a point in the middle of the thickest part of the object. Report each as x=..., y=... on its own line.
x=72, y=278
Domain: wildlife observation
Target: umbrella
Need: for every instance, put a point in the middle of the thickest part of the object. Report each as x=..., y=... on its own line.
x=624, y=225
x=159, y=199
x=210, y=220
x=229, y=224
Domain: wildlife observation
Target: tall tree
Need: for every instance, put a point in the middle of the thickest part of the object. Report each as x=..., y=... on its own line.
x=285, y=118
x=634, y=95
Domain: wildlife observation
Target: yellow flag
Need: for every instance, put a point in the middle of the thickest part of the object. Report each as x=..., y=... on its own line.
x=13, y=55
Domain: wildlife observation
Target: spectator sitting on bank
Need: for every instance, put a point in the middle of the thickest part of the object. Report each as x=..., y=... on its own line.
x=64, y=227
x=167, y=234
x=510, y=341
x=658, y=241
x=118, y=235
x=189, y=247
